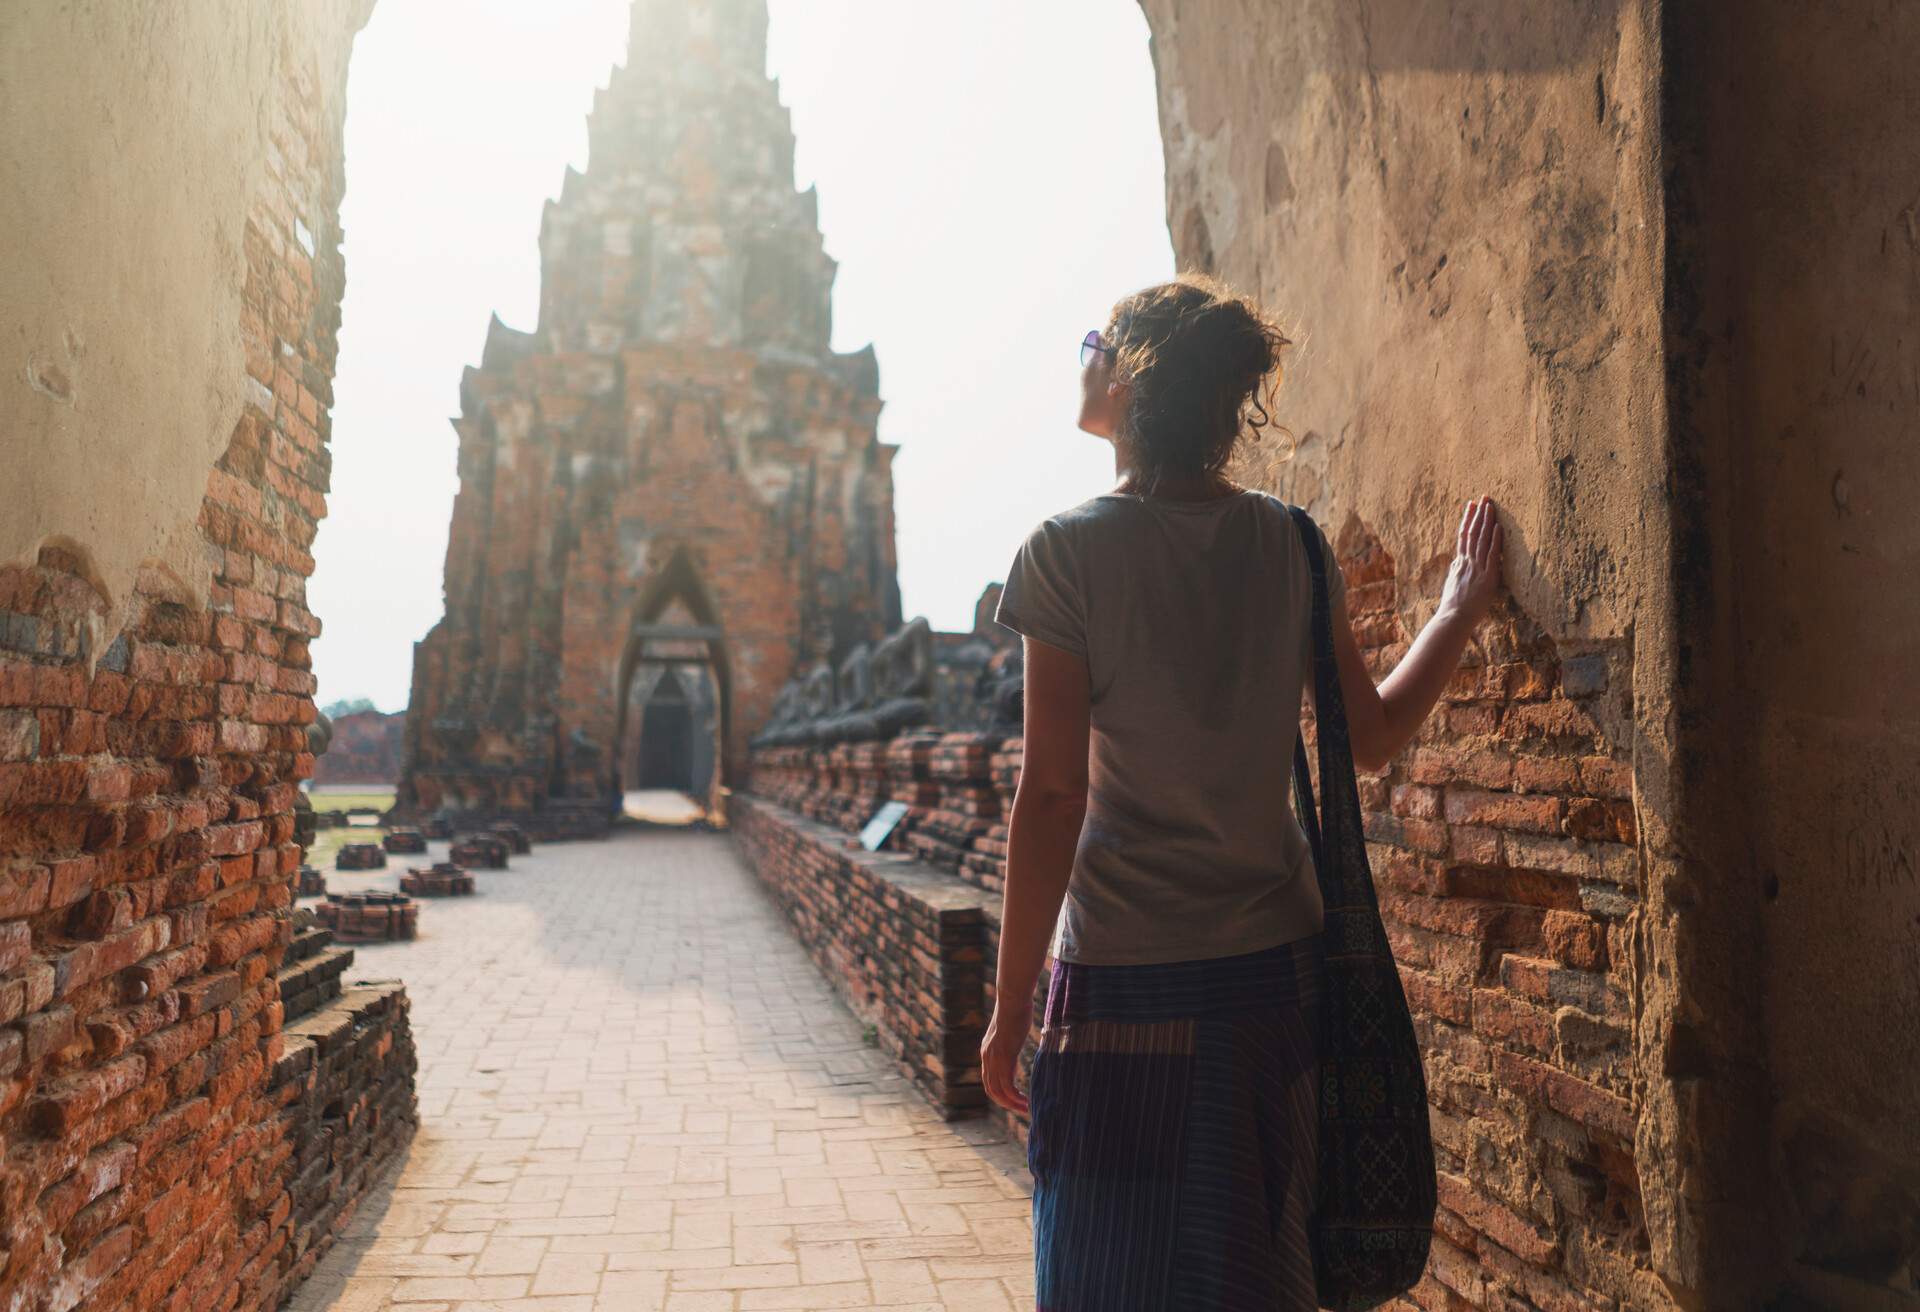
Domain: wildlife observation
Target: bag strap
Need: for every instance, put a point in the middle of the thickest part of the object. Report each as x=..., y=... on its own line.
x=1329, y=713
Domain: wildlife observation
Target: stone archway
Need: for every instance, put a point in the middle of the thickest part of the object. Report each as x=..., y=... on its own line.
x=672, y=689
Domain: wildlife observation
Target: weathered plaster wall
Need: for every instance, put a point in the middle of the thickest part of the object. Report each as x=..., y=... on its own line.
x=1795, y=309
x=137, y=142
x=1451, y=206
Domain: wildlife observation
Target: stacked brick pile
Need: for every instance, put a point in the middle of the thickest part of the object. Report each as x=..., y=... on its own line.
x=906, y=934
x=311, y=883
x=1503, y=847
x=517, y=839
x=404, y=842
x=479, y=852
x=903, y=943
x=442, y=879
x=370, y=917
x=780, y=775
x=360, y=856
x=839, y=795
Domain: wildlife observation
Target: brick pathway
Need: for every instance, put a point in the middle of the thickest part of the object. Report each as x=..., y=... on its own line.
x=637, y=1093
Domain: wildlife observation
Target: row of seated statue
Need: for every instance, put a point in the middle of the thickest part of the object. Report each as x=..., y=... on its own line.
x=893, y=686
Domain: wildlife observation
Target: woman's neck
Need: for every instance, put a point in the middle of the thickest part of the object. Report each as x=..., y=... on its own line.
x=1128, y=480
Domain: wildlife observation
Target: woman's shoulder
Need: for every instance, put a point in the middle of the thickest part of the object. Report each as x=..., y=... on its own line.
x=1115, y=509
x=1094, y=510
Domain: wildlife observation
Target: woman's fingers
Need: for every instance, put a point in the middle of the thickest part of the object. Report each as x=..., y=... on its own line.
x=990, y=1076
x=1478, y=537
x=997, y=1077
x=1489, y=527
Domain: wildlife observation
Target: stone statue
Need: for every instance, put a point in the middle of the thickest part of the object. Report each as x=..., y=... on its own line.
x=959, y=688
x=903, y=678
x=1006, y=683
x=819, y=699
x=856, y=681
x=855, y=720
x=780, y=721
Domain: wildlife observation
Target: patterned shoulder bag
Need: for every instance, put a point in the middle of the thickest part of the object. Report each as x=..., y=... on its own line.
x=1373, y=1223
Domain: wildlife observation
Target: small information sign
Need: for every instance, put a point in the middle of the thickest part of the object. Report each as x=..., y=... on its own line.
x=881, y=825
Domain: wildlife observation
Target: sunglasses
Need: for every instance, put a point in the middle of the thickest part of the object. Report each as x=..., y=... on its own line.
x=1090, y=344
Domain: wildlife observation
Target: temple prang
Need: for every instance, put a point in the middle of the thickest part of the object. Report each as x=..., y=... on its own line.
x=672, y=493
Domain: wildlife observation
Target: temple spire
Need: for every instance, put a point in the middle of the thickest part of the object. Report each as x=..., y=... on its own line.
x=718, y=33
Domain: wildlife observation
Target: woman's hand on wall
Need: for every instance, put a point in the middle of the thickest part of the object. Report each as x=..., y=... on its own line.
x=1474, y=577
x=1382, y=721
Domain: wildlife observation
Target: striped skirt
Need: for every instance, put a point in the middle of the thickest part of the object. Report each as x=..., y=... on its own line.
x=1173, y=1133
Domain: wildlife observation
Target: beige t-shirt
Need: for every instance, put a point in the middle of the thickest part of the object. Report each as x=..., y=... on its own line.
x=1195, y=620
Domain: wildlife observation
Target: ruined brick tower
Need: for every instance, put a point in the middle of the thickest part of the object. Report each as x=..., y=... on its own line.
x=673, y=473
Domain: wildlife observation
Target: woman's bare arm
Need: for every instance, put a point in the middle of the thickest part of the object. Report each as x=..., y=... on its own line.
x=1383, y=720
x=1042, y=832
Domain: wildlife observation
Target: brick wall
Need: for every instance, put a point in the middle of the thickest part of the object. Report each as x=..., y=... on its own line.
x=147, y=782
x=903, y=943
x=908, y=935
x=1502, y=844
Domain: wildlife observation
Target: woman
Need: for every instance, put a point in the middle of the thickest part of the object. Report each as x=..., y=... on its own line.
x=1167, y=640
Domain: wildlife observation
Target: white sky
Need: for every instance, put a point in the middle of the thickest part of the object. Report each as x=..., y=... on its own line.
x=990, y=182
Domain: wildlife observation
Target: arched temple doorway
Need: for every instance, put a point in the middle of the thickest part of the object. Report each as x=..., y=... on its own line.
x=672, y=686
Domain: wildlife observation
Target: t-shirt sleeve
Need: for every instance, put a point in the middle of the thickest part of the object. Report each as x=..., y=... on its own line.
x=1041, y=597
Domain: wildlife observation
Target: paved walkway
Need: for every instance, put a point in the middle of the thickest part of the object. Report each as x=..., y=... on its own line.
x=637, y=1093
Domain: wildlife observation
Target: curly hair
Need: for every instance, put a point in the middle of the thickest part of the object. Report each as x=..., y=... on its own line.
x=1196, y=355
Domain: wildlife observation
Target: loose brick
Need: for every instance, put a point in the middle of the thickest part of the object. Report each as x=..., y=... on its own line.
x=1473, y=806
x=1592, y=1107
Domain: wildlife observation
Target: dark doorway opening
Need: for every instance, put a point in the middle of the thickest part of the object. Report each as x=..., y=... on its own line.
x=666, y=738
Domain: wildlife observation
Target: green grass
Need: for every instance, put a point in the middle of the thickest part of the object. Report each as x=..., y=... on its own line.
x=328, y=842
x=347, y=799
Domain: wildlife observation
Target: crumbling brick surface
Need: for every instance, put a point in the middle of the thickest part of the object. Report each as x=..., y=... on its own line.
x=1503, y=844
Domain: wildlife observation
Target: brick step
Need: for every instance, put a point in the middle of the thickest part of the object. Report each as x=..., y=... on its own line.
x=312, y=983
x=310, y=942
